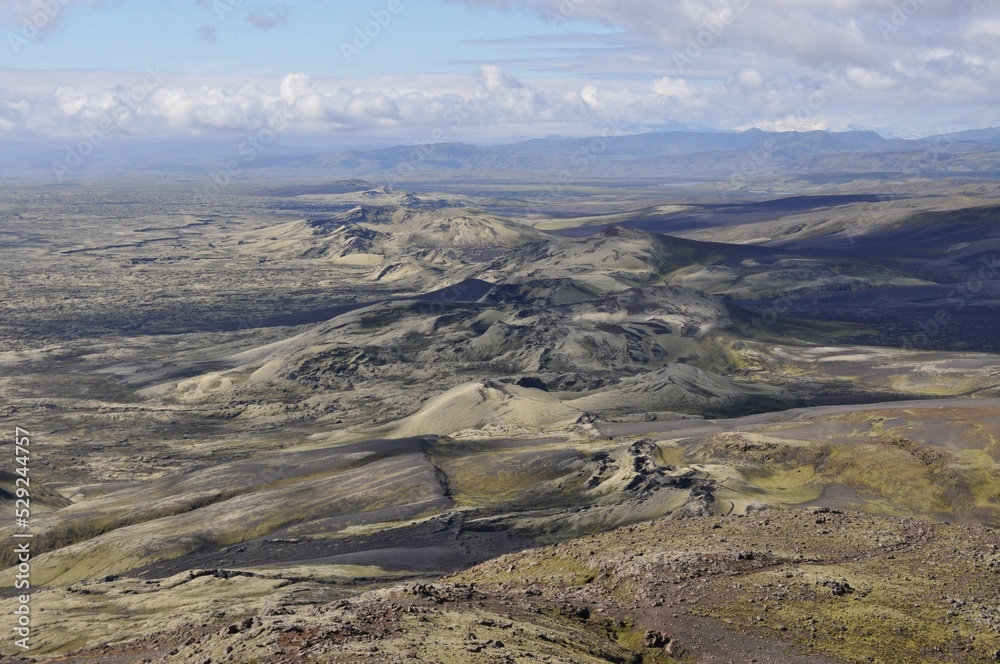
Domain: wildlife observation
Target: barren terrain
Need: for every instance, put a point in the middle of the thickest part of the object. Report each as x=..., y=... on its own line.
x=350, y=422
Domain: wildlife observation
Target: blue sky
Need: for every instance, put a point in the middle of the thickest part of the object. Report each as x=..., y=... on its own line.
x=425, y=37
x=490, y=69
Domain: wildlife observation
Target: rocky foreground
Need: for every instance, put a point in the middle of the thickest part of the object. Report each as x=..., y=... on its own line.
x=773, y=586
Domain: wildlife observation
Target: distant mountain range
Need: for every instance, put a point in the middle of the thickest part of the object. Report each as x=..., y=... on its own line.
x=681, y=155
x=678, y=154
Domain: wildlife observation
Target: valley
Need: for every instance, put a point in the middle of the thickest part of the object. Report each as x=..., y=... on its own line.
x=340, y=421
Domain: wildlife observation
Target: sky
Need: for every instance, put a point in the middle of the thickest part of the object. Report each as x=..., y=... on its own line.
x=491, y=70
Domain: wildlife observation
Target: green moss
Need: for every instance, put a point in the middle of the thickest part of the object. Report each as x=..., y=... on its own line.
x=896, y=613
x=554, y=570
x=632, y=637
x=672, y=454
x=789, y=486
x=485, y=479
x=893, y=480
x=982, y=475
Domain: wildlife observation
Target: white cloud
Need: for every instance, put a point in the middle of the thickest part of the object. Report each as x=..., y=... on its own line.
x=989, y=27
x=296, y=86
x=866, y=79
x=492, y=103
x=39, y=103
x=495, y=78
x=673, y=87
x=748, y=62
x=871, y=57
x=748, y=77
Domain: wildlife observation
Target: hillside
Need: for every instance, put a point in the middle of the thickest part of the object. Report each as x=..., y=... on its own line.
x=766, y=587
x=414, y=241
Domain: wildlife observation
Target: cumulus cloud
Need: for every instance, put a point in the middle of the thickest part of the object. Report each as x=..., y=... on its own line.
x=867, y=79
x=868, y=57
x=987, y=27
x=39, y=103
x=724, y=63
x=495, y=78
x=489, y=103
x=749, y=77
x=673, y=87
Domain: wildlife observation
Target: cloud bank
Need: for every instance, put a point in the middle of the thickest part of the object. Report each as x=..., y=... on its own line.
x=920, y=65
